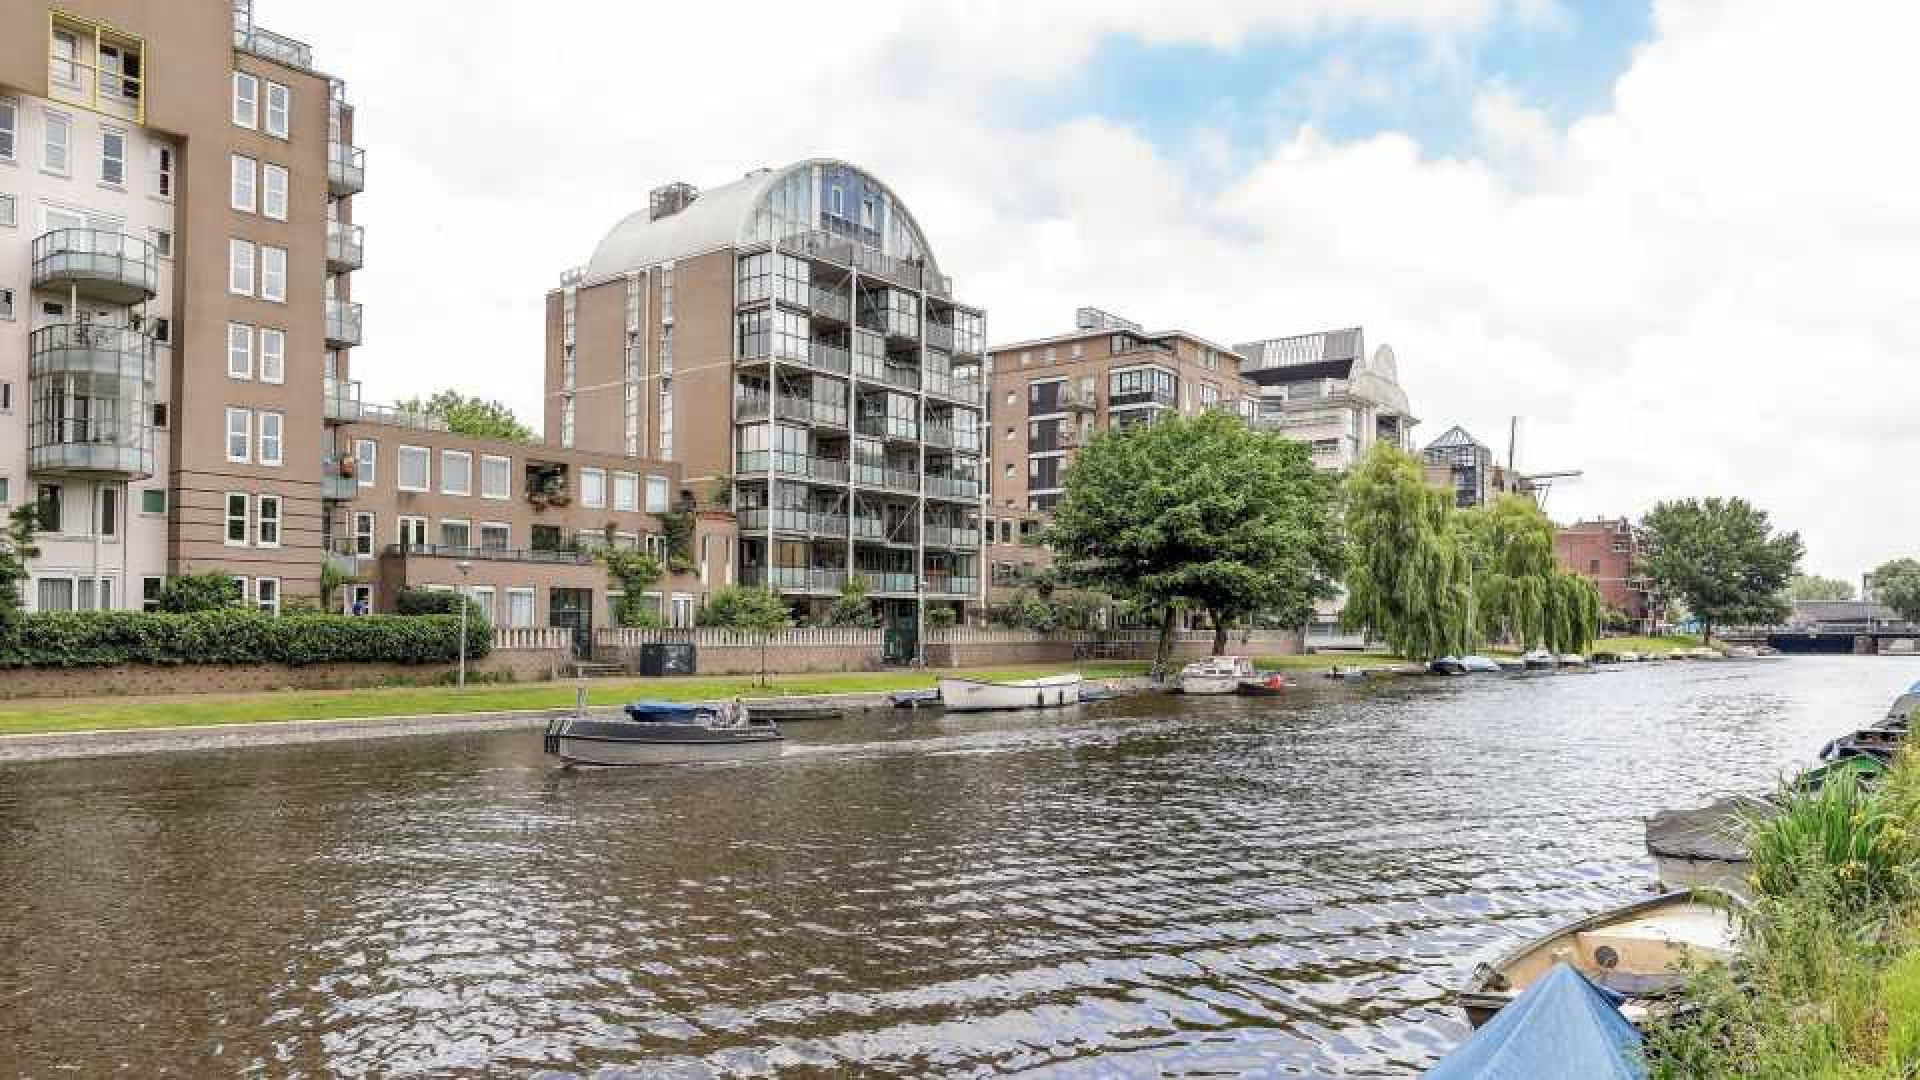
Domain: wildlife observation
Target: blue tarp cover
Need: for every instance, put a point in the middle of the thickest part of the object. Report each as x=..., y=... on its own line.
x=670, y=711
x=1562, y=1028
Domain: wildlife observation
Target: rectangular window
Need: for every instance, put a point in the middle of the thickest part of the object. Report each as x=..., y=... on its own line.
x=626, y=491
x=239, y=267
x=495, y=536
x=6, y=303
x=163, y=173
x=593, y=488
x=273, y=191
x=363, y=533
x=366, y=459
x=162, y=331
x=273, y=355
x=279, y=106
x=271, y=424
x=413, y=531
x=519, y=607
x=273, y=274
x=246, y=100
x=55, y=594
x=108, y=523
x=9, y=128
x=236, y=519
x=113, y=157
x=496, y=477
x=150, y=593
x=266, y=593
x=456, y=472
x=239, y=435
x=456, y=534
x=163, y=243
x=267, y=520
x=239, y=351
x=416, y=467
x=46, y=503
x=56, y=153
x=9, y=214
x=656, y=494
x=245, y=172
x=153, y=501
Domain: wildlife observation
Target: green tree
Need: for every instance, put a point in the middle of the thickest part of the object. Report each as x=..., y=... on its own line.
x=471, y=415
x=1897, y=585
x=1202, y=509
x=1519, y=589
x=199, y=592
x=851, y=607
x=1814, y=587
x=1408, y=568
x=942, y=616
x=1721, y=558
x=633, y=572
x=758, y=611
x=16, y=548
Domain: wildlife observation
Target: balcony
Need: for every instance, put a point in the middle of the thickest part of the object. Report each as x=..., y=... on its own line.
x=829, y=304
x=939, y=336
x=749, y=463
x=894, y=479
x=780, y=519
x=952, y=487
x=492, y=554
x=343, y=324
x=346, y=246
x=822, y=524
x=952, y=536
x=946, y=585
x=889, y=582
x=337, y=483
x=1078, y=400
x=340, y=400
x=346, y=169
x=94, y=385
x=965, y=391
x=98, y=264
x=899, y=428
x=827, y=357
x=87, y=349
x=339, y=554
x=825, y=581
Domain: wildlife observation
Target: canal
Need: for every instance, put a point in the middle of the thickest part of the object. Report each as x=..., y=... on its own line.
x=1223, y=887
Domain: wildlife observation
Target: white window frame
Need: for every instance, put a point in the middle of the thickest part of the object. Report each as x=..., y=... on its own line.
x=465, y=523
x=164, y=175
x=244, y=433
x=55, y=120
x=10, y=127
x=239, y=351
x=228, y=519
x=366, y=461
x=107, y=135
x=261, y=519
x=479, y=535
x=274, y=188
x=9, y=209
x=424, y=454
x=162, y=242
x=240, y=264
x=586, y=497
x=243, y=183
x=532, y=609
x=363, y=532
x=414, y=524
x=659, y=485
x=279, y=112
x=448, y=458
x=506, y=467
x=273, y=355
x=273, y=273
x=246, y=101
x=273, y=607
x=626, y=491
x=275, y=441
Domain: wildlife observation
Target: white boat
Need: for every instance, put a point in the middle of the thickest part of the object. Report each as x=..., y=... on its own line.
x=1216, y=675
x=1475, y=664
x=1572, y=659
x=662, y=733
x=975, y=695
x=1540, y=660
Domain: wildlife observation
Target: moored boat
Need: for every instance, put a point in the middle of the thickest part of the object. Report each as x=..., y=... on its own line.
x=1572, y=659
x=1354, y=674
x=662, y=733
x=1271, y=684
x=978, y=695
x=1642, y=951
x=1478, y=664
x=1215, y=675
x=1707, y=846
x=1880, y=742
x=1446, y=665
x=1539, y=660
x=1560, y=1028
x=784, y=712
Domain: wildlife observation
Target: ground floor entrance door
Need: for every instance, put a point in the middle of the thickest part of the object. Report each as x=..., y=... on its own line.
x=573, y=609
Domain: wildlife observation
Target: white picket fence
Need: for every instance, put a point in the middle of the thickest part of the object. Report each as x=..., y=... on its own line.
x=621, y=637
x=532, y=637
x=708, y=637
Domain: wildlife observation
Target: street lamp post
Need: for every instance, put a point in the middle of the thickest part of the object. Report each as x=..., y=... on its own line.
x=465, y=568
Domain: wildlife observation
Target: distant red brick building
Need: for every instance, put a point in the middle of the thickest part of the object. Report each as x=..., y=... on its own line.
x=1604, y=551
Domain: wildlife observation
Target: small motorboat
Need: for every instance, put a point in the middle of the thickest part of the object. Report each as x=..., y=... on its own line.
x=1642, y=951
x=1446, y=665
x=1478, y=664
x=1561, y=1028
x=1539, y=660
x=1880, y=742
x=1094, y=692
x=1215, y=675
x=1271, y=684
x=663, y=733
x=787, y=712
x=978, y=695
x=915, y=699
x=1900, y=713
x=1351, y=674
x=1572, y=659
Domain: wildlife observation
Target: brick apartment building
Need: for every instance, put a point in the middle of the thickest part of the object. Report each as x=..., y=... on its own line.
x=1605, y=551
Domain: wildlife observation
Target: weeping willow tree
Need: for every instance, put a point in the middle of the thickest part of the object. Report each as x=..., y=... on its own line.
x=1520, y=592
x=1408, y=572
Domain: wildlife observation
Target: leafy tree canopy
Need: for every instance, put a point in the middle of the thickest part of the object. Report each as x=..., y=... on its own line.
x=739, y=607
x=471, y=416
x=1814, y=587
x=1202, y=509
x=16, y=548
x=851, y=608
x=1897, y=585
x=1721, y=558
x=1407, y=578
x=1518, y=586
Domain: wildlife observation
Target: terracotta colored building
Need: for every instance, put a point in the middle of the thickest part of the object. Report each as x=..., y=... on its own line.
x=1605, y=551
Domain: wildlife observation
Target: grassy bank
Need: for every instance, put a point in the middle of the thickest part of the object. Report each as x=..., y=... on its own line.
x=1828, y=986
x=1644, y=645
x=30, y=716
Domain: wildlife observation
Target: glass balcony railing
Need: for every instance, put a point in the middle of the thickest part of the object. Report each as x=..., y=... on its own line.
x=342, y=323
x=903, y=428
x=952, y=585
x=346, y=169
x=340, y=400
x=828, y=304
x=337, y=483
x=346, y=246
x=98, y=264
x=952, y=487
x=828, y=357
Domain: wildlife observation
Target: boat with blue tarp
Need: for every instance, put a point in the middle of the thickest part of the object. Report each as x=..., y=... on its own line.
x=1561, y=1028
x=663, y=733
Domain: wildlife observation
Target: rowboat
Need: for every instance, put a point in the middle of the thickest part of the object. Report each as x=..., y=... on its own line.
x=1446, y=665
x=1901, y=711
x=1215, y=675
x=978, y=695
x=1560, y=1028
x=1642, y=951
x=1879, y=742
x=662, y=733
x=1707, y=846
x=786, y=712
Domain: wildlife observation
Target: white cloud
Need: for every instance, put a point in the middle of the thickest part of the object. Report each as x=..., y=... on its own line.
x=1708, y=287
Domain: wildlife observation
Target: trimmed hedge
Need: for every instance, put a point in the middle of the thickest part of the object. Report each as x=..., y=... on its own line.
x=100, y=638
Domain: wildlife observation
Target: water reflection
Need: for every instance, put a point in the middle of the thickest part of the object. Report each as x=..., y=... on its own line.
x=1153, y=888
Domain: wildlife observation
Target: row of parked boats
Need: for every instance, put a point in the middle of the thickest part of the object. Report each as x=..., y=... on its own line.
x=1567, y=1004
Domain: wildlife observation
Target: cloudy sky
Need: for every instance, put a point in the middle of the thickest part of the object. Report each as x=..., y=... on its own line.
x=1680, y=242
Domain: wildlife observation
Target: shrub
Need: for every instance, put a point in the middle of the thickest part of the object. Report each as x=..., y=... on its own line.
x=99, y=638
x=941, y=616
x=851, y=607
x=187, y=593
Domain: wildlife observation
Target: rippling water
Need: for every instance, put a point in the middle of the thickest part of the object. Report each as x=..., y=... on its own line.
x=1210, y=888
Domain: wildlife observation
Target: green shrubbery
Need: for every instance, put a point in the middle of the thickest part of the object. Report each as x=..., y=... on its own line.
x=99, y=638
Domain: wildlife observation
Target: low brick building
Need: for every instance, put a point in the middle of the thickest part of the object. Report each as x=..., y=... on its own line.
x=1605, y=551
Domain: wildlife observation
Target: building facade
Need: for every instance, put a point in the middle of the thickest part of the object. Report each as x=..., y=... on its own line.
x=1465, y=466
x=1326, y=390
x=1607, y=552
x=789, y=340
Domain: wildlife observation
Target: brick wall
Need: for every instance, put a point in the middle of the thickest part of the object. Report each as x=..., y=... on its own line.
x=524, y=665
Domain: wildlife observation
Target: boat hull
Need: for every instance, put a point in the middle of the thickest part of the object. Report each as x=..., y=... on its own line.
x=1209, y=684
x=578, y=740
x=970, y=695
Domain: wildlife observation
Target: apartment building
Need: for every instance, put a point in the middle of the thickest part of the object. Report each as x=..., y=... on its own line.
x=789, y=341
x=1465, y=466
x=1048, y=396
x=1607, y=551
x=1325, y=389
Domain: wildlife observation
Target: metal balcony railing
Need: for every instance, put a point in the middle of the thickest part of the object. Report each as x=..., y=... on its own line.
x=346, y=246
x=829, y=304
x=952, y=487
x=493, y=554
x=342, y=323
x=828, y=357
x=904, y=428
x=99, y=264
x=346, y=169
x=334, y=484
x=92, y=349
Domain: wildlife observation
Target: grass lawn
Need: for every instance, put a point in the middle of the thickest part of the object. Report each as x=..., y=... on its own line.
x=1666, y=644
x=40, y=715
x=1325, y=660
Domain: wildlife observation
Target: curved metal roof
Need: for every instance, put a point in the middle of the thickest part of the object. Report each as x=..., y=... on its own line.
x=720, y=217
